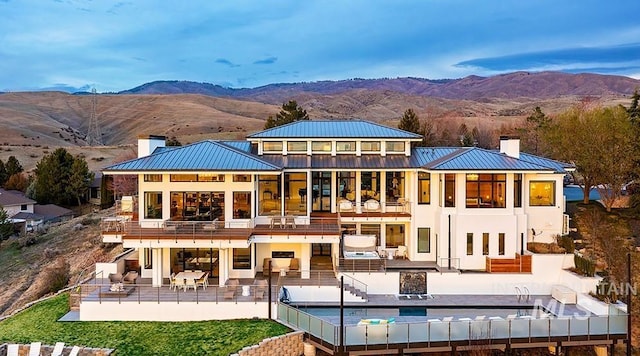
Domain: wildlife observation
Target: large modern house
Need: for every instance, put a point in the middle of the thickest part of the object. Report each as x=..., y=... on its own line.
x=351, y=198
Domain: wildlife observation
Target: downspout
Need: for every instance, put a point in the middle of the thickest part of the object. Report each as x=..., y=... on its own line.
x=449, y=254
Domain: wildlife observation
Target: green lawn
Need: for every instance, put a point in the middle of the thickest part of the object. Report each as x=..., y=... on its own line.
x=39, y=323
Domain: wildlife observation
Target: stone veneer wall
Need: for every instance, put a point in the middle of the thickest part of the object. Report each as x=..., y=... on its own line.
x=23, y=349
x=286, y=345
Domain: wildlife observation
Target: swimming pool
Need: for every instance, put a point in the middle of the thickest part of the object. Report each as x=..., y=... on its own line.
x=574, y=193
x=421, y=313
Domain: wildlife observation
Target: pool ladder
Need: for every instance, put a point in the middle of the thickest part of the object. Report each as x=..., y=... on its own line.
x=523, y=293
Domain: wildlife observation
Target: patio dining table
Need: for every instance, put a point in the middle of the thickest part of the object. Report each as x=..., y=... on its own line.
x=190, y=275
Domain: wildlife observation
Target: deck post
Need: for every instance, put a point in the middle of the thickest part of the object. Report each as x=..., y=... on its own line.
x=341, y=315
x=269, y=294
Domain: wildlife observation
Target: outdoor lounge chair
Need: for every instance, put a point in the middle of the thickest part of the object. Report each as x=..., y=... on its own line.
x=229, y=293
x=265, y=266
x=115, y=277
x=12, y=349
x=259, y=294
x=130, y=277
x=57, y=350
x=401, y=252
x=34, y=349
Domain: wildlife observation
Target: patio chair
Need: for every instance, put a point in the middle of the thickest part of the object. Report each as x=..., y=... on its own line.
x=115, y=277
x=265, y=267
x=372, y=205
x=259, y=294
x=189, y=283
x=130, y=277
x=57, y=350
x=172, y=281
x=203, y=281
x=345, y=205
x=229, y=293
x=179, y=284
x=401, y=252
x=294, y=264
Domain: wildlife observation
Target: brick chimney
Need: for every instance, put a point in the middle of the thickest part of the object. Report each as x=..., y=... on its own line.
x=148, y=143
x=510, y=146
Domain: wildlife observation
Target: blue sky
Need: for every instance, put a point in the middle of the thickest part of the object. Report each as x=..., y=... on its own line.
x=116, y=46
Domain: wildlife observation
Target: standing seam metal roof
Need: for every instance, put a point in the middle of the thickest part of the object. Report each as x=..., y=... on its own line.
x=351, y=129
x=200, y=156
x=475, y=158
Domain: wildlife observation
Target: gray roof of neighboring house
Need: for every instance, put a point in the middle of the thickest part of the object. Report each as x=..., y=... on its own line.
x=479, y=159
x=28, y=216
x=51, y=211
x=13, y=197
x=345, y=129
x=206, y=155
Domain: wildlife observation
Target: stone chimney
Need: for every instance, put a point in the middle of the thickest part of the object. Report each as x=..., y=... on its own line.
x=148, y=143
x=510, y=146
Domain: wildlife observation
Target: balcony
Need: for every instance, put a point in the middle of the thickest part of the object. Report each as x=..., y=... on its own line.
x=373, y=208
x=119, y=229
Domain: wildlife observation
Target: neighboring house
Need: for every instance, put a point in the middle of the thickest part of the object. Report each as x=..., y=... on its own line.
x=315, y=181
x=94, y=193
x=21, y=209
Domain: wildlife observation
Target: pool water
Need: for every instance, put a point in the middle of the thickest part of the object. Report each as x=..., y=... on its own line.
x=431, y=312
x=574, y=193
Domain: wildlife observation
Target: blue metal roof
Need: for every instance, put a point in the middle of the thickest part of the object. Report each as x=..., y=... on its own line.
x=421, y=156
x=244, y=146
x=478, y=159
x=200, y=156
x=351, y=129
x=547, y=162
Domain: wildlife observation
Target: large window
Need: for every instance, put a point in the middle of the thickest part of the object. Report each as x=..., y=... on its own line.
x=370, y=186
x=153, y=177
x=202, y=177
x=242, y=177
x=394, y=146
x=469, y=243
x=370, y=146
x=424, y=188
x=395, y=186
x=347, y=185
x=198, y=206
x=485, y=190
x=153, y=205
x=321, y=146
x=297, y=146
x=424, y=240
x=345, y=146
x=542, y=193
x=449, y=190
x=241, y=205
x=269, y=195
x=242, y=258
x=272, y=146
x=395, y=235
x=485, y=243
x=372, y=229
x=296, y=190
x=517, y=190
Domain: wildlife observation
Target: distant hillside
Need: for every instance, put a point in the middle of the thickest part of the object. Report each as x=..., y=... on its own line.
x=542, y=85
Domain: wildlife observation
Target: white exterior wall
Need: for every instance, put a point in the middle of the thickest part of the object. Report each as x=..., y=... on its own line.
x=170, y=311
x=14, y=209
x=546, y=220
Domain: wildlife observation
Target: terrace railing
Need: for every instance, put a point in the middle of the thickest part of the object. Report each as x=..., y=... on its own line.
x=458, y=332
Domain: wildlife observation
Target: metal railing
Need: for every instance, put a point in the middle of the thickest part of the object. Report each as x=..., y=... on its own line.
x=515, y=330
x=363, y=264
x=449, y=264
x=357, y=286
x=139, y=293
x=373, y=208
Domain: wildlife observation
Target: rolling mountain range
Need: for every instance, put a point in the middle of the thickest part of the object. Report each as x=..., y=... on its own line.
x=543, y=85
x=191, y=111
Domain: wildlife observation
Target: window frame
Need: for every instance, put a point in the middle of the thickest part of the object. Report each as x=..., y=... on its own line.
x=390, y=146
x=421, y=237
x=343, y=149
x=241, y=261
x=272, y=143
x=540, y=198
x=421, y=192
x=152, y=177
x=291, y=146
